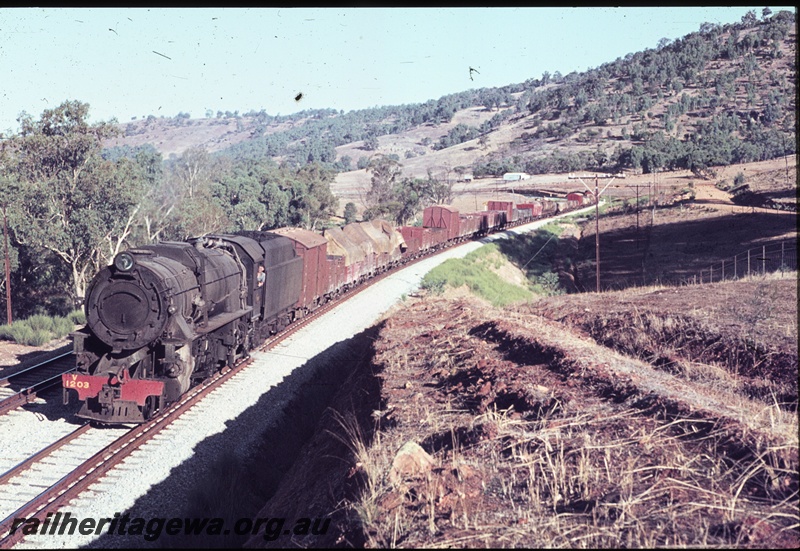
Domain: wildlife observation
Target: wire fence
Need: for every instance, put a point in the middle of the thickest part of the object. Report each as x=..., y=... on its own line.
x=777, y=257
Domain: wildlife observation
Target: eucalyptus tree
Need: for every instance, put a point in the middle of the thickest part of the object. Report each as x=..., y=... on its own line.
x=71, y=201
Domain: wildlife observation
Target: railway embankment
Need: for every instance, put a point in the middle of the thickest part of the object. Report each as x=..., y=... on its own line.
x=543, y=424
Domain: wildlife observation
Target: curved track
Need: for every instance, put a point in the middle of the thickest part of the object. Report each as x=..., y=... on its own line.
x=90, y=469
x=50, y=497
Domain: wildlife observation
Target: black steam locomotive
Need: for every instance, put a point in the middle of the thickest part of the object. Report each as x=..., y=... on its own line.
x=164, y=317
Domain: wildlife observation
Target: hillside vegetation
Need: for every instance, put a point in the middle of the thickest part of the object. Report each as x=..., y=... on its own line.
x=722, y=95
x=714, y=98
x=640, y=418
x=507, y=405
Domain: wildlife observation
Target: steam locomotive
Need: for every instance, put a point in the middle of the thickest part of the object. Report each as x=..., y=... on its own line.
x=164, y=317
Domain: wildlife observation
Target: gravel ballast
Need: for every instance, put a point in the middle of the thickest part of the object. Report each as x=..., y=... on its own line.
x=155, y=480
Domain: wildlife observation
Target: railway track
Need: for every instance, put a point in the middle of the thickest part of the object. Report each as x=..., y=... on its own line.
x=24, y=386
x=28, y=494
x=92, y=467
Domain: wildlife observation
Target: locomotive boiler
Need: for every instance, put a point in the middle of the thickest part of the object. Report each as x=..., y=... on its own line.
x=164, y=317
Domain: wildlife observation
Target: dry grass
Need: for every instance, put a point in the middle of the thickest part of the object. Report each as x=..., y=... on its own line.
x=535, y=445
x=735, y=339
x=577, y=480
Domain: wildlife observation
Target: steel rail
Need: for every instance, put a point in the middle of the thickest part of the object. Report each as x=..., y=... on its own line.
x=26, y=394
x=92, y=470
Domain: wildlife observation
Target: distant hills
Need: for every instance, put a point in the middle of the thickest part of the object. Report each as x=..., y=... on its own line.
x=721, y=95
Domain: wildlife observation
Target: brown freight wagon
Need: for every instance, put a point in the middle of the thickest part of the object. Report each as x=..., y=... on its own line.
x=574, y=200
x=525, y=214
x=549, y=207
x=388, y=250
x=493, y=219
x=469, y=225
x=505, y=206
x=363, y=241
x=337, y=272
x=398, y=245
x=412, y=235
x=313, y=249
x=433, y=237
x=439, y=216
x=354, y=256
x=536, y=208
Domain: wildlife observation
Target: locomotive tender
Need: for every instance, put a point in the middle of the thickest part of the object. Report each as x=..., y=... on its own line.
x=163, y=318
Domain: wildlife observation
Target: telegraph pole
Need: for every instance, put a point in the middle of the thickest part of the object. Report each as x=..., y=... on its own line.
x=637, y=216
x=655, y=196
x=597, y=234
x=596, y=194
x=8, y=269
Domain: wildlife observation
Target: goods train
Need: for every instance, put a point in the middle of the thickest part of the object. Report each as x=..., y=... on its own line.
x=163, y=318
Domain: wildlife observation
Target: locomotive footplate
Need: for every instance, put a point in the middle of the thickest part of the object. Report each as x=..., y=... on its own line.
x=131, y=401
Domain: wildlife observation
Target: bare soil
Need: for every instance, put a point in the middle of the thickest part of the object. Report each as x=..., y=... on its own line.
x=642, y=417
x=530, y=430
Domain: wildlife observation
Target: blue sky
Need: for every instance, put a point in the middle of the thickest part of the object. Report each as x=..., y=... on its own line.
x=134, y=62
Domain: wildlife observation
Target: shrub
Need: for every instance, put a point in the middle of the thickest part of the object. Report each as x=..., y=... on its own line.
x=21, y=333
x=38, y=337
x=62, y=327
x=40, y=322
x=433, y=284
x=5, y=332
x=548, y=283
x=40, y=329
x=77, y=317
x=476, y=275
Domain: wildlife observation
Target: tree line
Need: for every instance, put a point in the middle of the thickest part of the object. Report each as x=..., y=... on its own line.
x=677, y=76
x=744, y=113
x=70, y=206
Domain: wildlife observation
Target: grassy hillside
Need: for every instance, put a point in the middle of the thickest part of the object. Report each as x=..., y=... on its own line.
x=738, y=80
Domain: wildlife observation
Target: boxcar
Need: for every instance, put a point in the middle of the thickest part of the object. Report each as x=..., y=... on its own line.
x=440, y=216
x=313, y=249
x=574, y=200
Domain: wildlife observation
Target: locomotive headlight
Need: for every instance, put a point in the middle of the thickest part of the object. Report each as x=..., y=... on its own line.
x=124, y=262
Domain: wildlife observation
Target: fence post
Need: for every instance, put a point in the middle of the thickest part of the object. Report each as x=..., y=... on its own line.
x=723, y=270
x=711, y=274
x=763, y=260
x=782, y=257
x=748, y=262
x=735, y=273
